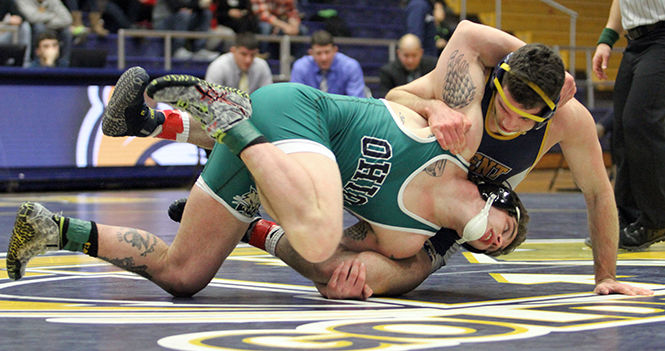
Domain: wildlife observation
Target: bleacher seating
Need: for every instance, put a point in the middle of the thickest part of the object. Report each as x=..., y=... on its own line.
x=531, y=20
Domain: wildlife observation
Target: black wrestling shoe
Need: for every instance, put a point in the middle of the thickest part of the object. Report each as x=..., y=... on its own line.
x=217, y=107
x=126, y=112
x=176, y=209
x=637, y=237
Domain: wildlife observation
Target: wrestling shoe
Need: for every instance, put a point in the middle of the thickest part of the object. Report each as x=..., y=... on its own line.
x=34, y=232
x=217, y=107
x=176, y=209
x=637, y=237
x=126, y=112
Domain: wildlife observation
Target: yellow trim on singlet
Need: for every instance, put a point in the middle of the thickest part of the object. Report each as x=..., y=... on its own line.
x=541, y=150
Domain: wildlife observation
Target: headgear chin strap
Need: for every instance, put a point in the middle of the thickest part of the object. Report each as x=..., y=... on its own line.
x=550, y=106
x=496, y=195
x=475, y=228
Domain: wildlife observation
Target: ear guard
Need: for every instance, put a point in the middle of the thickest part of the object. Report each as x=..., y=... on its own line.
x=505, y=198
x=495, y=194
x=547, y=111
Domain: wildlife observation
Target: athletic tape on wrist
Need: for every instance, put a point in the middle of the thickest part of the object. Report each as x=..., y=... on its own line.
x=241, y=136
x=609, y=36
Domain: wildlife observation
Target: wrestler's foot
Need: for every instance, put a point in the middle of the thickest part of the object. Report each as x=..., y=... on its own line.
x=176, y=209
x=218, y=108
x=34, y=232
x=126, y=112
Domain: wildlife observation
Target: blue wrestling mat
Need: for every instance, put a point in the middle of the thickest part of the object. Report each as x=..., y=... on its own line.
x=537, y=298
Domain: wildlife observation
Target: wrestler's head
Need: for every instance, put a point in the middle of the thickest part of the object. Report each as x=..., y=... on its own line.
x=506, y=220
x=526, y=85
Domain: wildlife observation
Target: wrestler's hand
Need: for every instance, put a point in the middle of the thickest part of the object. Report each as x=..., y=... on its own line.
x=347, y=282
x=568, y=90
x=611, y=286
x=448, y=126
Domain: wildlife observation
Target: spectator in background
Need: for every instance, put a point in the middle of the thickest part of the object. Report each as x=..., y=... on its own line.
x=410, y=64
x=240, y=68
x=329, y=70
x=237, y=15
x=139, y=12
x=233, y=16
x=49, y=15
x=11, y=16
x=277, y=16
x=94, y=9
x=420, y=21
x=185, y=15
x=445, y=21
x=47, y=53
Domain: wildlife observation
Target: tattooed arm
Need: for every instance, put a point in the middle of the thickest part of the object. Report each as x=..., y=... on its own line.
x=447, y=96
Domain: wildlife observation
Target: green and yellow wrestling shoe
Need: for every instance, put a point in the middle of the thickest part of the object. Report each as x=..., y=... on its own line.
x=217, y=107
x=34, y=232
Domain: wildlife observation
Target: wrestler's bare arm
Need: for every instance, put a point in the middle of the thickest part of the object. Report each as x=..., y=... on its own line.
x=575, y=128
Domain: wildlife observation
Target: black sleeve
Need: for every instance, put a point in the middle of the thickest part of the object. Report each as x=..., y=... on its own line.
x=386, y=81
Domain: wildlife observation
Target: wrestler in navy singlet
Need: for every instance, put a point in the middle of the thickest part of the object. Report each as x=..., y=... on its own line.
x=500, y=158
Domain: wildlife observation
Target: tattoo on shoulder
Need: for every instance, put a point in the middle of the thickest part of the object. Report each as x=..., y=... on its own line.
x=401, y=117
x=357, y=231
x=458, y=88
x=436, y=168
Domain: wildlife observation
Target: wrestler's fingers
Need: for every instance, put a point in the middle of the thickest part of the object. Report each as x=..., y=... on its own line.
x=342, y=268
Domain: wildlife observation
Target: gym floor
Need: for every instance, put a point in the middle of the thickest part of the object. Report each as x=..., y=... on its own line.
x=537, y=298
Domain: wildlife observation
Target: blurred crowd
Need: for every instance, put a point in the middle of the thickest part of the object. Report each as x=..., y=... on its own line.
x=43, y=33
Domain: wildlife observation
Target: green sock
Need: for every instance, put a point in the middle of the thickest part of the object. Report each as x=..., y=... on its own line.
x=77, y=235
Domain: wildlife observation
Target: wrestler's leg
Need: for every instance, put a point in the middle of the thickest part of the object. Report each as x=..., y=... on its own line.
x=131, y=113
x=383, y=275
x=206, y=236
x=302, y=192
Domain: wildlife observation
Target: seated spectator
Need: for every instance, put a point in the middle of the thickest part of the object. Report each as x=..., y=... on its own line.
x=11, y=16
x=233, y=16
x=94, y=9
x=445, y=21
x=236, y=15
x=240, y=68
x=138, y=12
x=47, y=53
x=410, y=64
x=277, y=16
x=49, y=15
x=185, y=15
x=420, y=21
x=329, y=70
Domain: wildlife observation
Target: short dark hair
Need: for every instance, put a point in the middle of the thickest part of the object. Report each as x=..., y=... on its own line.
x=322, y=37
x=47, y=35
x=535, y=63
x=246, y=40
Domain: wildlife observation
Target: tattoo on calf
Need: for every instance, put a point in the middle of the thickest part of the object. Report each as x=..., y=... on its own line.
x=436, y=168
x=357, y=231
x=458, y=88
x=128, y=264
x=144, y=242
